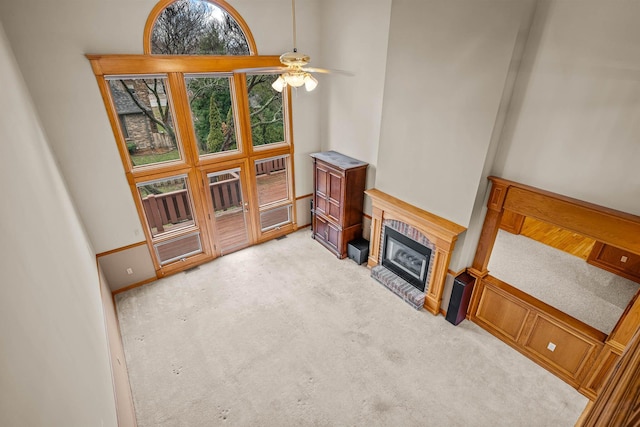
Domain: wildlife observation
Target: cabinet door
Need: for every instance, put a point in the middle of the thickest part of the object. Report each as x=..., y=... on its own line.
x=329, y=192
x=327, y=233
x=322, y=181
x=335, y=190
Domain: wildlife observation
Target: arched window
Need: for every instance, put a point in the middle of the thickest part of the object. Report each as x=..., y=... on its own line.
x=197, y=27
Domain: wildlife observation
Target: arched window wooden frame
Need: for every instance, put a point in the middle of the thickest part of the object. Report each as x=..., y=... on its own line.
x=163, y=4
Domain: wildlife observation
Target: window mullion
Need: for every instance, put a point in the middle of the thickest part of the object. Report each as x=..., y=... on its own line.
x=242, y=107
x=183, y=122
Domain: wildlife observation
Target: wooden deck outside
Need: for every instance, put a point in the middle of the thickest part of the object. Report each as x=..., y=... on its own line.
x=272, y=188
x=231, y=228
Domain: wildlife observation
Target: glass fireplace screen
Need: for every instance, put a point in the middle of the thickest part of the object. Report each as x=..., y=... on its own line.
x=406, y=258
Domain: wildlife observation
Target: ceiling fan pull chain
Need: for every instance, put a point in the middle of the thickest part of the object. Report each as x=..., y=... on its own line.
x=293, y=13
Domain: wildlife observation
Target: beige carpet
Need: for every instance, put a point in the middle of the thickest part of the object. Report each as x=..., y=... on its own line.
x=566, y=282
x=284, y=334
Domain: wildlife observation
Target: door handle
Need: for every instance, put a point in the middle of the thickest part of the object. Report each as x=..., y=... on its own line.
x=246, y=206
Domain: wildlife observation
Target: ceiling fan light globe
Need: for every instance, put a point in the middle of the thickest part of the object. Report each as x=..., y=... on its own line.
x=279, y=84
x=294, y=79
x=310, y=82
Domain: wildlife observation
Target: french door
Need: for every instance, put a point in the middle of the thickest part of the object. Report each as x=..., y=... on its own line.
x=229, y=214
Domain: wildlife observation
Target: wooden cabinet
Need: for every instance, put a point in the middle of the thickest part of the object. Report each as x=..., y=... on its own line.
x=615, y=260
x=338, y=197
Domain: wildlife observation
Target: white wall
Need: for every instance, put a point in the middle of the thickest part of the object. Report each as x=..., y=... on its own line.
x=574, y=125
x=121, y=385
x=355, y=35
x=570, y=126
x=447, y=66
x=50, y=40
x=271, y=24
x=54, y=367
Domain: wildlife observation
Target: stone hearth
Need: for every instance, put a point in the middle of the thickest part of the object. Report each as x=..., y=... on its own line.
x=399, y=286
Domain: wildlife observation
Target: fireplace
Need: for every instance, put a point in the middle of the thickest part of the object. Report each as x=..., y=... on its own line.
x=390, y=215
x=406, y=257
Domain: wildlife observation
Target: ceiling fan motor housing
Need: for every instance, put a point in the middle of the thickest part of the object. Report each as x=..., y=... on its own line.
x=295, y=59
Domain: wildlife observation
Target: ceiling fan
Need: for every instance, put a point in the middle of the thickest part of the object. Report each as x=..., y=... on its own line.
x=294, y=68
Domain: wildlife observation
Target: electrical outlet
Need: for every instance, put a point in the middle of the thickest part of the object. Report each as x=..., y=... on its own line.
x=624, y=259
x=129, y=270
x=551, y=346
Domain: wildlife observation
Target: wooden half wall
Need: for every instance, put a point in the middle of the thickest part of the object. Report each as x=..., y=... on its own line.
x=572, y=350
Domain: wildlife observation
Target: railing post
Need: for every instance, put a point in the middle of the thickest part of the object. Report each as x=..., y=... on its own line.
x=154, y=213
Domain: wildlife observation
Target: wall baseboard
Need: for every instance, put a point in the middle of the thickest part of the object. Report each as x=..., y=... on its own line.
x=135, y=285
x=124, y=248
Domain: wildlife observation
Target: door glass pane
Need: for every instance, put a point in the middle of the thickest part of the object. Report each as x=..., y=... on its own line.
x=274, y=218
x=229, y=209
x=167, y=204
x=272, y=180
x=265, y=109
x=144, y=113
x=212, y=113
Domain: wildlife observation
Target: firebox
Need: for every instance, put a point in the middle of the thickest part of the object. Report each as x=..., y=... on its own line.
x=406, y=258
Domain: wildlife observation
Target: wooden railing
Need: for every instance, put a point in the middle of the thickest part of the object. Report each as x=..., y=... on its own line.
x=226, y=193
x=167, y=208
x=173, y=207
x=275, y=165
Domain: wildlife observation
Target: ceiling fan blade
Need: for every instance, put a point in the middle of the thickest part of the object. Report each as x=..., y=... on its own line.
x=262, y=70
x=327, y=71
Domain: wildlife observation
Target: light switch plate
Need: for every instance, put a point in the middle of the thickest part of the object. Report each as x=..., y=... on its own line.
x=551, y=346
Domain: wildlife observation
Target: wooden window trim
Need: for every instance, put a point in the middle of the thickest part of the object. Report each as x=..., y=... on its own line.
x=159, y=64
x=191, y=163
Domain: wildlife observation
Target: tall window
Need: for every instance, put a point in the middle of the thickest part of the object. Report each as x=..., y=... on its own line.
x=265, y=105
x=206, y=148
x=144, y=109
x=212, y=112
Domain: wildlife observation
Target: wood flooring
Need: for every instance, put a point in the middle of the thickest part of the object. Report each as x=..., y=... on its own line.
x=557, y=237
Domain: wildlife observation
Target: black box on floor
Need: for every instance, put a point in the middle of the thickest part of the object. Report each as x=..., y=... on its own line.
x=460, y=296
x=358, y=250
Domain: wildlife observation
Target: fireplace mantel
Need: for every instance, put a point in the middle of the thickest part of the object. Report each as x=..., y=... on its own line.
x=441, y=232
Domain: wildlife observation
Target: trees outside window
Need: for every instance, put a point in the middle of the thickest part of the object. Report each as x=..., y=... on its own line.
x=197, y=27
x=265, y=105
x=144, y=111
x=211, y=104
